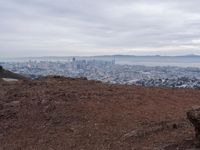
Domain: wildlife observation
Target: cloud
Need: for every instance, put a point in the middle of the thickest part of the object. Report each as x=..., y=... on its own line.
x=93, y=27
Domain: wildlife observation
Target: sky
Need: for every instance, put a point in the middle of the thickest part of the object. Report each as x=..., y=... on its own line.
x=99, y=27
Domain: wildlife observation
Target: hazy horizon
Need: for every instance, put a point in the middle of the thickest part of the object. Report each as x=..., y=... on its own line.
x=34, y=28
x=111, y=55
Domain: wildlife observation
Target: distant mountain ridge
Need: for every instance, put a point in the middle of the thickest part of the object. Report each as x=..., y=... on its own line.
x=95, y=56
x=118, y=55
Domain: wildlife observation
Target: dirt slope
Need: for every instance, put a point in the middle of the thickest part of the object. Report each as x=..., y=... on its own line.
x=8, y=74
x=56, y=113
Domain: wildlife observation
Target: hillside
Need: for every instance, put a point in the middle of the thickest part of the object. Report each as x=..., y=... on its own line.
x=58, y=113
x=8, y=74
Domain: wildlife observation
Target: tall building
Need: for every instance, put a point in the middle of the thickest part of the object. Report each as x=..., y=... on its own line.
x=74, y=63
x=73, y=59
x=113, y=61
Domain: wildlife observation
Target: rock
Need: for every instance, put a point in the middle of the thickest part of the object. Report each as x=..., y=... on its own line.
x=194, y=117
x=130, y=134
x=49, y=108
x=14, y=103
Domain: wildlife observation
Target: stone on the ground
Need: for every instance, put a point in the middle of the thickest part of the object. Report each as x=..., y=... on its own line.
x=194, y=117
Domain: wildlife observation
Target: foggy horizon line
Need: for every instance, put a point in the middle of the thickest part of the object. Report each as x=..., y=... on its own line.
x=108, y=55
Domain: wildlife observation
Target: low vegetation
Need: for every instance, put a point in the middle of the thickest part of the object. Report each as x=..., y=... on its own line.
x=1, y=68
x=8, y=74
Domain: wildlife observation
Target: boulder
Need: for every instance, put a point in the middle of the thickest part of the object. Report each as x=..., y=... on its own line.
x=193, y=116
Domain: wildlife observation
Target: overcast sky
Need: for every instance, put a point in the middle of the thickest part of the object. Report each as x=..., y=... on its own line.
x=99, y=27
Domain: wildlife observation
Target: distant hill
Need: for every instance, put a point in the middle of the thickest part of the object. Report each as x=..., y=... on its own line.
x=8, y=74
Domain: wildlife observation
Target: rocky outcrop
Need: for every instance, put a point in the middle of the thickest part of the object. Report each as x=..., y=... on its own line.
x=194, y=117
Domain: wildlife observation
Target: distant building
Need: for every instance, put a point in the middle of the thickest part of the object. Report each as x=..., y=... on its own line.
x=73, y=59
x=113, y=61
x=74, y=63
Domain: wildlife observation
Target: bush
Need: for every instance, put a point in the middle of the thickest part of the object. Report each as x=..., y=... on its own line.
x=1, y=68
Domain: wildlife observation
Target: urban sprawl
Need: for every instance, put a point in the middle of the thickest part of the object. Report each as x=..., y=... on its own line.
x=110, y=72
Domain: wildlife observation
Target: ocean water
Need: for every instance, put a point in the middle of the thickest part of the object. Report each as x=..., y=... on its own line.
x=179, y=61
x=153, y=64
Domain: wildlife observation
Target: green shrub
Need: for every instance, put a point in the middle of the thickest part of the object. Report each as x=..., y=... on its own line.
x=1, y=68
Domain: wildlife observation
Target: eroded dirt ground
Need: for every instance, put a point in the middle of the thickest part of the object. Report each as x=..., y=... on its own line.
x=56, y=113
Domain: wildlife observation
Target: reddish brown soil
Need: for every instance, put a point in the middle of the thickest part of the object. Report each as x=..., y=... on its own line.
x=75, y=114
